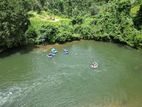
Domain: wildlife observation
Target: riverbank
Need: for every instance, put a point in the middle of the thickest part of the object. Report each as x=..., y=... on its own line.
x=46, y=47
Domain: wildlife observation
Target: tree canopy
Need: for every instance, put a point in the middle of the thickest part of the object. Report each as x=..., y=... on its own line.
x=117, y=20
x=13, y=24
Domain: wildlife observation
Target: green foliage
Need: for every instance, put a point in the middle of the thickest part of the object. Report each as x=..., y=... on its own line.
x=48, y=33
x=117, y=20
x=134, y=10
x=138, y=19
x=116, y=23
x=68, y=8
x=77, y=20
x=31, y=35
x=64, y=37
x=13, y=24
x=51, y=33
x=85, y=31
x=138, y=40
x=65, y=33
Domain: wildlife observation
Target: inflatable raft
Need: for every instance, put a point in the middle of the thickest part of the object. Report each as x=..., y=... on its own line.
x=94, y=65
x=66, y=51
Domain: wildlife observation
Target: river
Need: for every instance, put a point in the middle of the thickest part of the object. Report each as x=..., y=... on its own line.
x=28, y=78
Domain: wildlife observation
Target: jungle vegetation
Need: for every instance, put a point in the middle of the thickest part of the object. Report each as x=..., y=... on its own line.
x=24, y=22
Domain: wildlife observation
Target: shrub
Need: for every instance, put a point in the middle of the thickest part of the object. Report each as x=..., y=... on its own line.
x=86, y=31
x=116, y=23
x=13, y=24
x=64, y=37
x=31, y=35
x=77, y=20
x=48, y=33
x=138, y=40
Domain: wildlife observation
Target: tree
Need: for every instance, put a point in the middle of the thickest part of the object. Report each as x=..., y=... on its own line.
x=13, y=24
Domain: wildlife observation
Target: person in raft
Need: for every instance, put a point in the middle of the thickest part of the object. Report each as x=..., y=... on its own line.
x=66, y=51
x=50, y=55
x=53, y=50
x=94, y=65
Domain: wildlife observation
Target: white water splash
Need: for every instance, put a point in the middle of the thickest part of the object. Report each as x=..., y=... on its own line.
x=9, y=95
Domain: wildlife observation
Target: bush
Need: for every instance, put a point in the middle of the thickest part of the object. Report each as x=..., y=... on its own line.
x=65, y=33
x=64, y=37
x=86, y=31
x=31, y=35
x=116, y=23
x=138, y=19
x=77, y=20
x=48, y=33
x=138, y=40
x=13, y=24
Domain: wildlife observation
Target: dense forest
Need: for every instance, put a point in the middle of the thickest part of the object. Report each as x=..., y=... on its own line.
x=24, y=22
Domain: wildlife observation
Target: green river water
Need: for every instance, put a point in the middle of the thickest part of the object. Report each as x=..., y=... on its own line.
x=31, y=79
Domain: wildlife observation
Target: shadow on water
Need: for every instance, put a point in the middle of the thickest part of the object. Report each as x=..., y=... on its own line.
x=21, y=50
